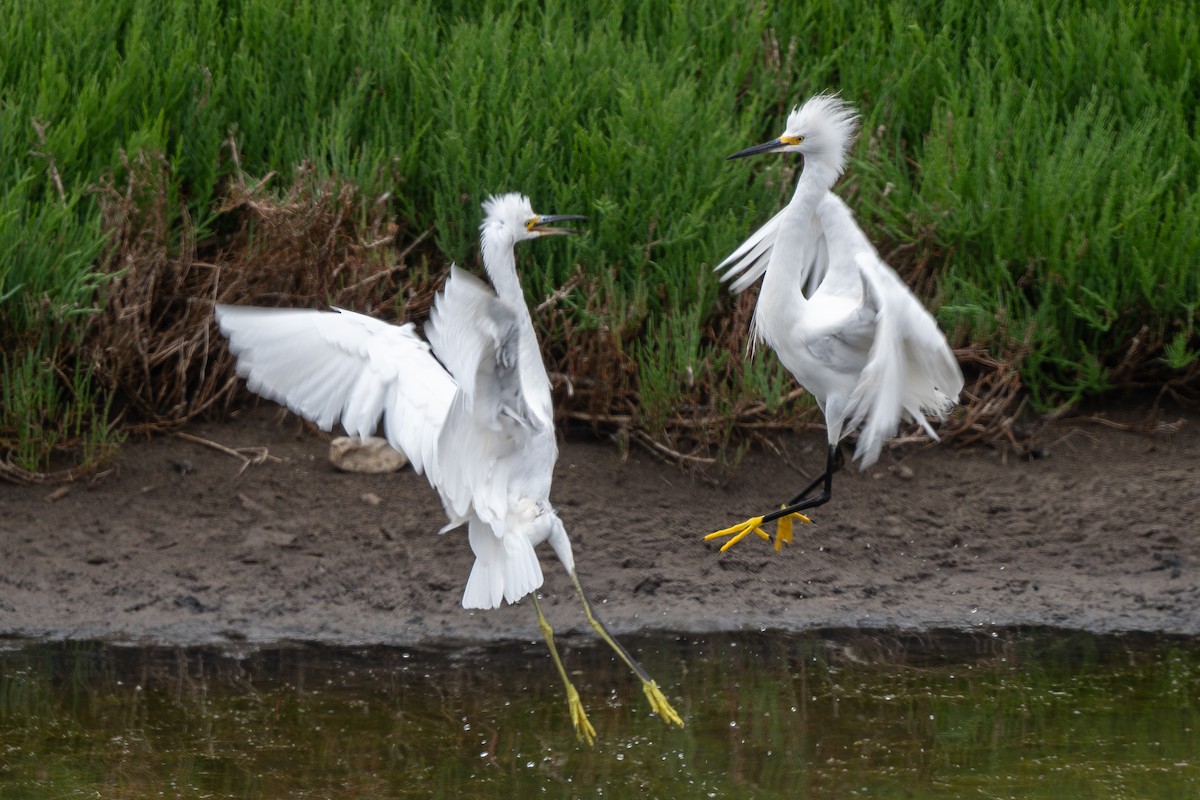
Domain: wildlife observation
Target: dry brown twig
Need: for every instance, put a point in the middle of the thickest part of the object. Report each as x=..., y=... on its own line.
x=51, y=164
x=1150, y=424
x=248, y=455
x=24, y=477
x=558, y=294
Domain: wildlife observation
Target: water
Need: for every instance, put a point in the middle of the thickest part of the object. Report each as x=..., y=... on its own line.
x=1020, y=714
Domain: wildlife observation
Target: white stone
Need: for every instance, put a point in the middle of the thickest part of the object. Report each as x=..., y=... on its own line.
x=373, y=454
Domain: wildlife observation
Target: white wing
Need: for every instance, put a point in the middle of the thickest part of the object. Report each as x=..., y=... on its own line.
x=751, y=257
x=342, y=366
x=910, y=371
x=905, y=366
x=489, y=437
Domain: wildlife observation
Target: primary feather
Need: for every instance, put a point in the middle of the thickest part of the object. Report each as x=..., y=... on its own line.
x=340, y=366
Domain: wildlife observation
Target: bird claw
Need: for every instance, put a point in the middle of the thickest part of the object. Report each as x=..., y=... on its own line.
x=660, y=704
x=783, y=531
x=583, y=727
x=739, y=532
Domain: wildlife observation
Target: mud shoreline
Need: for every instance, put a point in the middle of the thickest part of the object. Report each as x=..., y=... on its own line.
x=180, y=545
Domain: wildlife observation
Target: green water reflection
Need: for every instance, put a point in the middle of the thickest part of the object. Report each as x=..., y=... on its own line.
x=1020, y=714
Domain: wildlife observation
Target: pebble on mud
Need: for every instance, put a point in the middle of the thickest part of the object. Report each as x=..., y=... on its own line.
x=370, y=455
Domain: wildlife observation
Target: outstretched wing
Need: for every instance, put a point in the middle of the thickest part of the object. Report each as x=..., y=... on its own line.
x=750, y=259
x=492, y=425
x=331, y=366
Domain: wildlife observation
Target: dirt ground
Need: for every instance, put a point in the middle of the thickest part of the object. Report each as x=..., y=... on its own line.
x=178, y=544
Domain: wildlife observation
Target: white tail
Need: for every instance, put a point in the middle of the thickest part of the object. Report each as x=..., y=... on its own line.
x=506, y=567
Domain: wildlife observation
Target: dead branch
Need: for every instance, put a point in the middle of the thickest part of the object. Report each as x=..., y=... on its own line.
x=1151, y=424
x=247, y=455
x=561, y=292
x=24, y=477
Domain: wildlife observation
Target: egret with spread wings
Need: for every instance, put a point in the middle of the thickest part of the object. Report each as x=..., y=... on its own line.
x=839, y=318
x=477, y=419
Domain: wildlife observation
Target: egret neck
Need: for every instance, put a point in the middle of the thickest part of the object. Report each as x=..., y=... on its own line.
x=780, y=302
x=499, y=259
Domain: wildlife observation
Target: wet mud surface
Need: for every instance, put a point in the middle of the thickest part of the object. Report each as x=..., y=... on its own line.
x=179, y=544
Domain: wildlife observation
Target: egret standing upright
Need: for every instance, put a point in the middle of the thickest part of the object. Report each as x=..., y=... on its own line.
x=839, y=318
x=481, y=427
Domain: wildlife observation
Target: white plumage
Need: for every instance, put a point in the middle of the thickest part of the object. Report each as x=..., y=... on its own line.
x=341, y=366
x=477, y=419
x=839, y=318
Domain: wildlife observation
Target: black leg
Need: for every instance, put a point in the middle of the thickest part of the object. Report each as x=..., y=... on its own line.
x=833, y=465
x=833, y=462
x=798, y=503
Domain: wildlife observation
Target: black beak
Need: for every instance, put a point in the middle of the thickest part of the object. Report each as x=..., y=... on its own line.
x=549, y=219
x=765, y=147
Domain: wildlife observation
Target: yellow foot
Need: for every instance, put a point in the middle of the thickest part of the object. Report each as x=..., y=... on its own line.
x=658, y=702
x=783, y=532
x=583, y=728
x=739, y=532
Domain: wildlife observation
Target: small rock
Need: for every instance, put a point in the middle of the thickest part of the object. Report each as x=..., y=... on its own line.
x=250, y=504
x=371, y=499
x=259, y=537
x=904, y=471
x=58, y=494
x=191, y=604
x=371, y=455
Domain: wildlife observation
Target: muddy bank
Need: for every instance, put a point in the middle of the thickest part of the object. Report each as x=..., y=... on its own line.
x=179, y=544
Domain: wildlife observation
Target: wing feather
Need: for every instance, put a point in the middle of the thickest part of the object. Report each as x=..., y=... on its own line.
x=750, y=259
x=478, y=337
x=911, y=370
x=343, y=366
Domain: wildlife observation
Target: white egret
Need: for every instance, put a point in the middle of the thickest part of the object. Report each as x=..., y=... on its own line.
x=479, y=424
x=839, y=318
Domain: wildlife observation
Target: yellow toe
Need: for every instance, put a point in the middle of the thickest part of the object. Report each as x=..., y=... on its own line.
x=783, y=533
x=583, y=727
x=660, y=704
x=739, y=532
x=783, y=529
x=738, y=529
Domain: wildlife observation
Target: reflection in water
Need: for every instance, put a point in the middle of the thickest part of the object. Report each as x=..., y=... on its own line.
x=1021, y=714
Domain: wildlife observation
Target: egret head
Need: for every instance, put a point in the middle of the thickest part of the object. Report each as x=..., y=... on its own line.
x=821, y=130
x=510, y=218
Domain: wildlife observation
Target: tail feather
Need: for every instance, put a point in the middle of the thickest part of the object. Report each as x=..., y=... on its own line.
x=485, y=586
x=505, y=567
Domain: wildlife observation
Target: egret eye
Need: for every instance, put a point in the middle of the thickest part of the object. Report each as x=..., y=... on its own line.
x=532, y=221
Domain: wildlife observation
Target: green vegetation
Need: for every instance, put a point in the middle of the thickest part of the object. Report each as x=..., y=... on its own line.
x=1033, y=168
